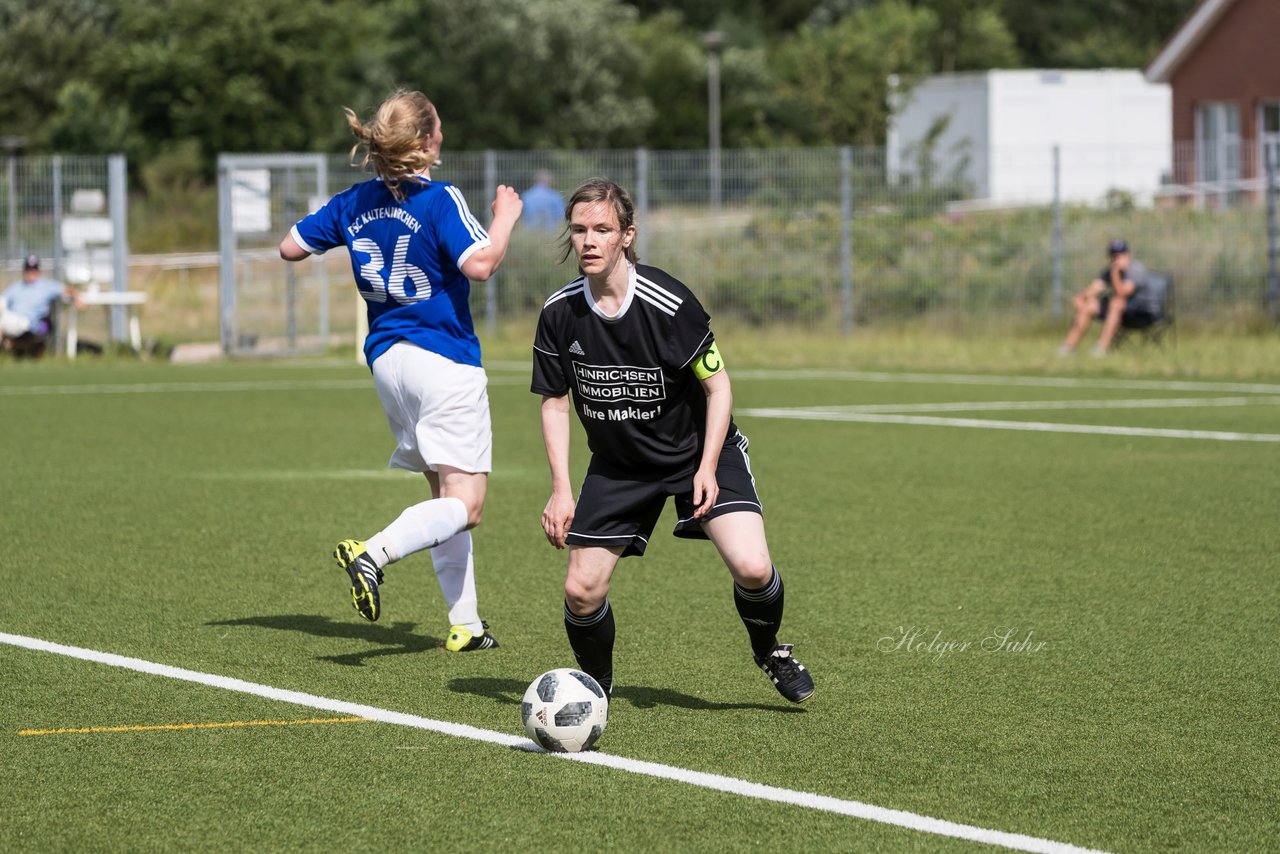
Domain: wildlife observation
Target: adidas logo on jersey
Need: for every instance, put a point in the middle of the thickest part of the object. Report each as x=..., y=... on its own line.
x=576, y=349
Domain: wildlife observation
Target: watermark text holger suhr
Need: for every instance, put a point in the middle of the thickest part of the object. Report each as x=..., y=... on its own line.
x=1004, y=640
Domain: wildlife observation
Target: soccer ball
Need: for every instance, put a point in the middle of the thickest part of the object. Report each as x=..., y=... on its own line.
x=564, y=710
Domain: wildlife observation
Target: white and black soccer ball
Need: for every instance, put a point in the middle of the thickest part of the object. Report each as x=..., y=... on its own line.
x=564, y=710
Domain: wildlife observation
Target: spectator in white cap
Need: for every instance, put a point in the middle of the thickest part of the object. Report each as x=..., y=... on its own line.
x=26, y=310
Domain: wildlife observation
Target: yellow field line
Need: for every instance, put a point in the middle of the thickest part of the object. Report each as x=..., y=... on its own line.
x=189, y=726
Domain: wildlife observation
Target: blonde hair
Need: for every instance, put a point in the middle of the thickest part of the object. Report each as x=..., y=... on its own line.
x=595, y=190
x=394, y=140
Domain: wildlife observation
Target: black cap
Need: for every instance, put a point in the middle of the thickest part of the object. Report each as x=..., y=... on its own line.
x=1117, y=246
x=31, y=262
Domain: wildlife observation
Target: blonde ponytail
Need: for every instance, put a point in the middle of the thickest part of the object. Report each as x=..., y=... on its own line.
x=394, y=140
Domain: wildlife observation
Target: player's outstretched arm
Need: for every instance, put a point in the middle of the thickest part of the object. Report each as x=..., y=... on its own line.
x=483, y=263
x=558, y=514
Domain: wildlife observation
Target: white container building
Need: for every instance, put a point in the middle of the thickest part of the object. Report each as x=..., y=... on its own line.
x=998, y=130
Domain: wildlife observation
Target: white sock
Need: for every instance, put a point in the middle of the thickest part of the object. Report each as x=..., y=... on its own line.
x=455, y=570
x=422, y=526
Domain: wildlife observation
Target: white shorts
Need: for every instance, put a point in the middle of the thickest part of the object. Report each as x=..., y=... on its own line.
x=437, y=409
x=13, y=325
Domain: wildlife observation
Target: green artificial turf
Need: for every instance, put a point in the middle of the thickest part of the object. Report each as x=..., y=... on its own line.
x=1068, y=636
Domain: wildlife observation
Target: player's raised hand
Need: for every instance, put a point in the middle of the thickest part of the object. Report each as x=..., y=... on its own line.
x=507, y=203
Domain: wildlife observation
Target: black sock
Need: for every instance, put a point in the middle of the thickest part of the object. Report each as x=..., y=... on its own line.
x=591, y=638
x=761, y=613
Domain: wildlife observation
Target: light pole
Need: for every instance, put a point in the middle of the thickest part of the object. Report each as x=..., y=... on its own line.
x=714, y=42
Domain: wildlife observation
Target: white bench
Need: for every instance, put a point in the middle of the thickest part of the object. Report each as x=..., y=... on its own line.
x=132, y=300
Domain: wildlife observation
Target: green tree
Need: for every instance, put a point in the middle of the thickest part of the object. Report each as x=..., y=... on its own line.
x=237, y=75
x=44, y=45
x=833, y=81
x=152, y=77
x=1092, y=33
x=749, y=99
x=970, y=35
x=525, y=74
x=82, y=123
x=674, y=75
x=675, y=81
x=828, y=12
x=773, y=17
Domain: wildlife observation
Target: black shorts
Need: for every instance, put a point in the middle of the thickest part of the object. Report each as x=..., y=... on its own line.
x=621, y=508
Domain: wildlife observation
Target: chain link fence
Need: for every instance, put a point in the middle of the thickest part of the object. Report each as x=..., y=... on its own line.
x=832, y=239
x=265, y=305
x=827, y=240
x=71, y=212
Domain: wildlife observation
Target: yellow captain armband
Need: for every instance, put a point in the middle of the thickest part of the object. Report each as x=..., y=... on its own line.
x=709, y=363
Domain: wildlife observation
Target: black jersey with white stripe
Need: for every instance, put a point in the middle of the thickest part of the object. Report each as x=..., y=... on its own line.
x=630, y=374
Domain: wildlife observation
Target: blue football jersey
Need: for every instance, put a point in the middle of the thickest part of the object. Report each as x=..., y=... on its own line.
x=407, y=258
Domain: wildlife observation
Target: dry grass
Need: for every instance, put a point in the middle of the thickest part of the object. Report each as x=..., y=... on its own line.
x=1232, y=348
x=1241, y=344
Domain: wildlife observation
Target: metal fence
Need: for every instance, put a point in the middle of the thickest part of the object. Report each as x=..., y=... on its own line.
x=72, y=212
x=829, y=240
x=832, y=239
x=266, y=306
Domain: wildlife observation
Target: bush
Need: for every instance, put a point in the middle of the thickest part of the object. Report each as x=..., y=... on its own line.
x=177, y=211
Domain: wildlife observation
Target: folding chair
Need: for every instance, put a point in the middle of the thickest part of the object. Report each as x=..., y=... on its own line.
x=1149, y=314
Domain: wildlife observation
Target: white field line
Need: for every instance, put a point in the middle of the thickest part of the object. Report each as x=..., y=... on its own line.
x=1032, y=405
x=993, y=424
x=239, y=386
x=168, y=388
x=744, y=788
x=996, y=380
x=964, y=379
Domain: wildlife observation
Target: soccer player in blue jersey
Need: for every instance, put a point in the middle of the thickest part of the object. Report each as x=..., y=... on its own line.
x=414, y=247
x=635, y=347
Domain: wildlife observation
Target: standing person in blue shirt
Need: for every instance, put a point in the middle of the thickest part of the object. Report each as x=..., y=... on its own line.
x=26, y=310
x=543, y=206
x=414, y=247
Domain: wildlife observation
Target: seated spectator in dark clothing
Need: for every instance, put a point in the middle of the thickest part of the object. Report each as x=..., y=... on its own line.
x=1105, y=298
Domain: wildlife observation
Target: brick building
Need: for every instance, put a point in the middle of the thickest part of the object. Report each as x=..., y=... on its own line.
x=1223, y=67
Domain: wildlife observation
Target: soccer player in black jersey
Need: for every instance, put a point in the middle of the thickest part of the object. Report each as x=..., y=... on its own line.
x=635, y=347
